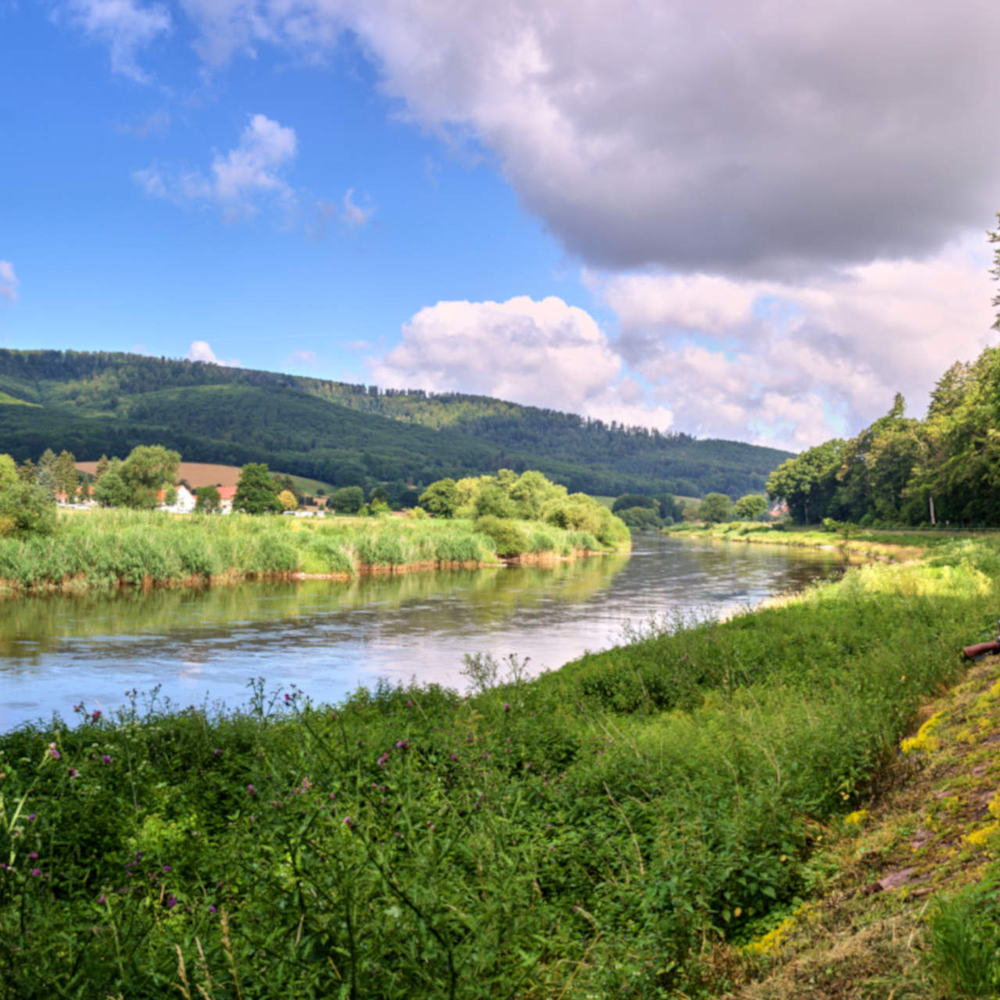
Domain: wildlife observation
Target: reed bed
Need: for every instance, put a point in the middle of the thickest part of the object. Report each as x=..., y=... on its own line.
x=114, y=548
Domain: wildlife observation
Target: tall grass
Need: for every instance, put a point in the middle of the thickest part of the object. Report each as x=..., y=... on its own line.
x=111, y=548
x=583, y=834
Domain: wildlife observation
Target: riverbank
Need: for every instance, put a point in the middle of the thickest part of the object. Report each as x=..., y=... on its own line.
x=109, y=549
x=855, y=544
x=608, y=829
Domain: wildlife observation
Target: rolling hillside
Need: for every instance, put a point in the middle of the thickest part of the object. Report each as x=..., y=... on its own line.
x=94, y=403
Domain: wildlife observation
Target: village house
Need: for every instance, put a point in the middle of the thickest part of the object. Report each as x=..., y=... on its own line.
x=183, y=504
x=226, y=495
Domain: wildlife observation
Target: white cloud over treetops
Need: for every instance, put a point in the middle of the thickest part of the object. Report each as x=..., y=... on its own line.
x=546, y=354
x=8, y=281
x=787, y=365
x=201, y=350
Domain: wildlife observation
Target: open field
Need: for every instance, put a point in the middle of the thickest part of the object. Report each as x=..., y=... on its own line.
x=196, y=473
x=638, y=824
x=206, y=474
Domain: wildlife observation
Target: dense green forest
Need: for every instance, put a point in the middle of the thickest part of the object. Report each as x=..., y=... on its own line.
x=102, y=403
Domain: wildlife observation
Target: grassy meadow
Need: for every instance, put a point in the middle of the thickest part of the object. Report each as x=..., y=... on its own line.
x=117, y=547
x=632, y=825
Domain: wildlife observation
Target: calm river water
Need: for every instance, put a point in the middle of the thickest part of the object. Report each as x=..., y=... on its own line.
x=328, y=638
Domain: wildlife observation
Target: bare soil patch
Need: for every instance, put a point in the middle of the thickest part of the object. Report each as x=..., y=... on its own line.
x=196, y=473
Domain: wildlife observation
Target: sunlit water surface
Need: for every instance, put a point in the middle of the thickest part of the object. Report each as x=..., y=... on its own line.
x=328, y=638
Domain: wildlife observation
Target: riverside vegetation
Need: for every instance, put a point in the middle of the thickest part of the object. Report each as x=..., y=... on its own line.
x=622, y=827
x=507, y=517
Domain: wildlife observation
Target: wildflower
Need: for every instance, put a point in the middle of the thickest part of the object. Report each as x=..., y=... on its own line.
x=102, y=898
x=72, y=772
x=53, y=752
x=171, y=901
x=33, y=855
x=211, y=909
x=105, y=758
x=31, y=815
x=251, y=790
x=95, y=715
x=166, y=868
x=36, y=872
x=506, y=706
x=218, y=752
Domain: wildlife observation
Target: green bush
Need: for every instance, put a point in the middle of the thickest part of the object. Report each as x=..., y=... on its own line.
x=963, y=941
x=510, y=537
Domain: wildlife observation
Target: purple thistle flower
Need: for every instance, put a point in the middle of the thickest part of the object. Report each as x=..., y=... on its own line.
x=36, y=872
x=95, y=715
x=105, y=758
x=31, y=815
x=251, y=789
x=102, y=898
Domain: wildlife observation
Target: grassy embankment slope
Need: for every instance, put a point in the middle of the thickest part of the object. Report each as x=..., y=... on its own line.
x=628, y=826
x=859, y=544
x=111, y=548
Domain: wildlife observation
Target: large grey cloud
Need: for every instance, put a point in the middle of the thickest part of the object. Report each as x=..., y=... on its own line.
x=736, y=136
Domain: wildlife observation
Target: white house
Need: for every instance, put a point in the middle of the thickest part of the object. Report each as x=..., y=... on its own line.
x=184, y=503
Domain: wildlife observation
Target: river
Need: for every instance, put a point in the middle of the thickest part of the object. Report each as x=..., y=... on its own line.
x=202, y=646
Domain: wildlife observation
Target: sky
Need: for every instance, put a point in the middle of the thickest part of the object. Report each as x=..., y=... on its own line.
x=748, y=219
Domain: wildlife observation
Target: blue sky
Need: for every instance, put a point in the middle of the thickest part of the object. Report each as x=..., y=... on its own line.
x=621, y=210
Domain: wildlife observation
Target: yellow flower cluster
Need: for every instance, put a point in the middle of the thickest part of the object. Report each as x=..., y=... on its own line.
x=856, y=818
x=775, y=938
x=925, y=738
x=980, y=838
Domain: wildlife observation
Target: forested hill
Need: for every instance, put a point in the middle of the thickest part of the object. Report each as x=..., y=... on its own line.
x=96, y=403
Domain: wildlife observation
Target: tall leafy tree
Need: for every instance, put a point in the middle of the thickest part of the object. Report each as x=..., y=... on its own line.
x=807, y=482
x=750, y=507
x=207, y=499
x=440, y=498
x=716, y=507
x=147, y=470
x=66, y=475
x=348, y=499
x=255, y=491
x=111, y=490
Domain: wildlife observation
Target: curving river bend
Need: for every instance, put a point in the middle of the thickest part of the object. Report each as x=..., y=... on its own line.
x=328, y=638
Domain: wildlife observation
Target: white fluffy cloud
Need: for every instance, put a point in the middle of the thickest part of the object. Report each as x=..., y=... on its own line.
x=796, y=363
x=238, y=181
x=201, y=350
x=8, y=281
x=124, y=26
x=545, y=353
